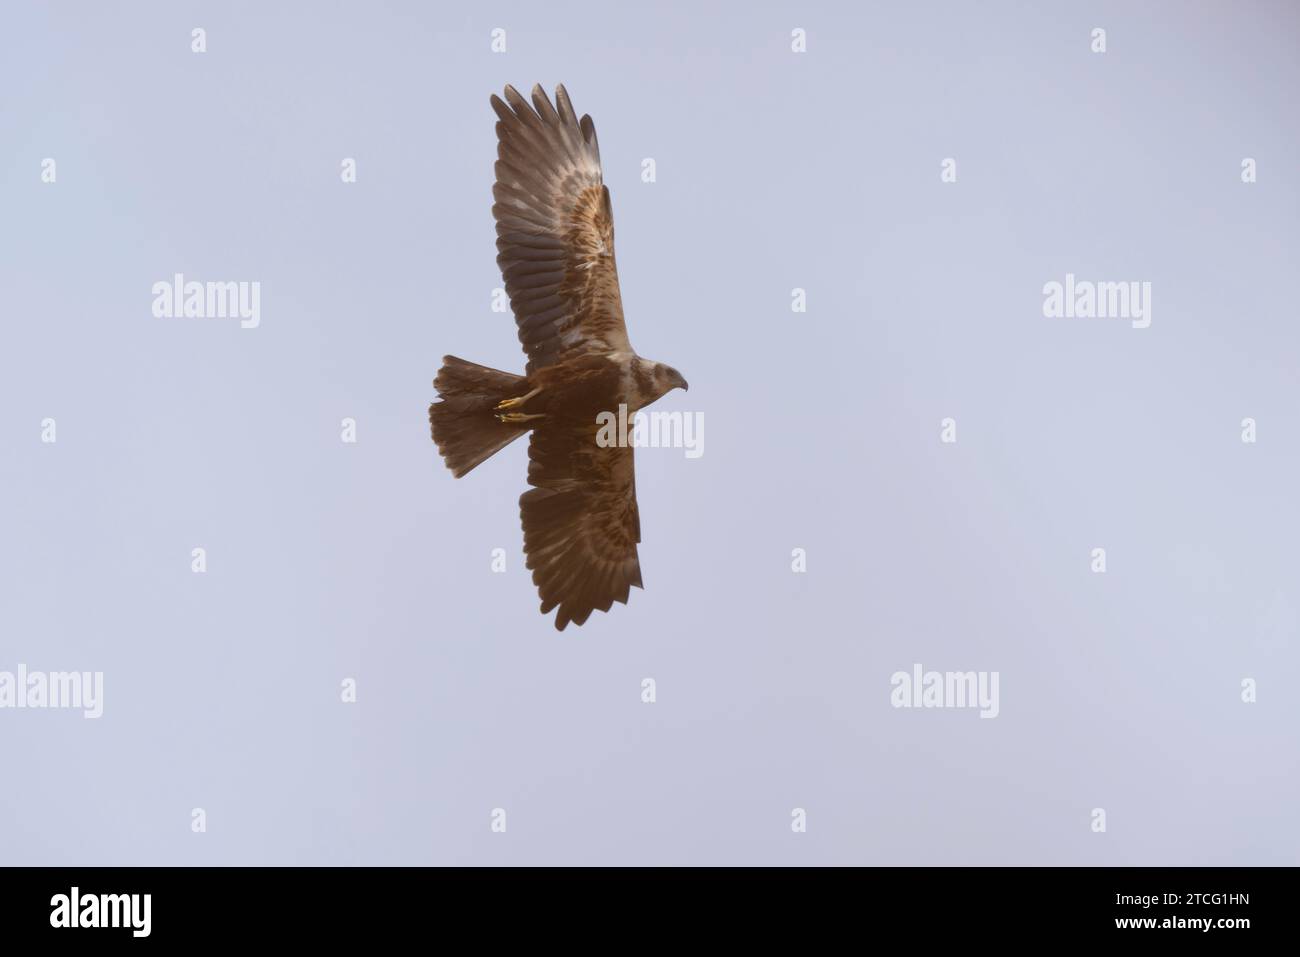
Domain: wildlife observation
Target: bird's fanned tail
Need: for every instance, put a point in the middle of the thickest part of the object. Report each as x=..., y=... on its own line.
x=464, y=425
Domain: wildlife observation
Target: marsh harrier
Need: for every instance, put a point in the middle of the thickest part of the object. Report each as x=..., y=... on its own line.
x=555, y=239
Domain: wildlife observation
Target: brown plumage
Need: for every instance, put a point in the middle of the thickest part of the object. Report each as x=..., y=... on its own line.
x=555, y=243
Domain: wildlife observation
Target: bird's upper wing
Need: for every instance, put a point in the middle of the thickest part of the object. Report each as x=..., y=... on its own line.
x=581, y=525
x=555, y=230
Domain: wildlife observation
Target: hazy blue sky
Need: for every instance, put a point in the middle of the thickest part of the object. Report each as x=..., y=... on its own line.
x=776, y=170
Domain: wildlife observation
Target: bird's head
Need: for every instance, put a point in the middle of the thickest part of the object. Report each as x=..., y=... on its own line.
x=666, y=378
x=653, y=380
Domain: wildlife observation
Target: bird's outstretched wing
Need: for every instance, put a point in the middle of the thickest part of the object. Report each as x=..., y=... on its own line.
x=555, y=230
x=581, y=525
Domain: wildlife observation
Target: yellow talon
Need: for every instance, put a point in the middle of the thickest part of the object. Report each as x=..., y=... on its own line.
x=516, y=418
x=516, y=402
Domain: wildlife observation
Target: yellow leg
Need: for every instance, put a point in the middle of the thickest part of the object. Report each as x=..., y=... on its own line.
x=516, y=402
x=516, y=418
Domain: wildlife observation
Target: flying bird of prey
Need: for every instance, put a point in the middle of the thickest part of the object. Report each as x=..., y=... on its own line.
x=555, y=239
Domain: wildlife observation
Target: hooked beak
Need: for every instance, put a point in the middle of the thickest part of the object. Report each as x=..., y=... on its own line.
x=680, y=382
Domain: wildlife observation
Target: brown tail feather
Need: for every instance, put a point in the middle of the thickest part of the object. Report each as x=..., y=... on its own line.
x=463, y=424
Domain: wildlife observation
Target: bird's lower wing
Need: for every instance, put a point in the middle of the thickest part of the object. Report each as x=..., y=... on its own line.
x=581, y=525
